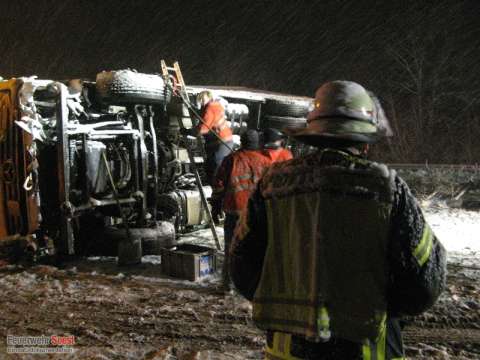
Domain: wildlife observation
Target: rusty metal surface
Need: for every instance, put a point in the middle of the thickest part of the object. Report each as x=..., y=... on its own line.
x=8, y=162
x=18, y=209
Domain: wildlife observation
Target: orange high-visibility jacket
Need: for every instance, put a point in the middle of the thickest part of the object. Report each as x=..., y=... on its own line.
x=237, y=178
x=214, y=118
x=277, y=155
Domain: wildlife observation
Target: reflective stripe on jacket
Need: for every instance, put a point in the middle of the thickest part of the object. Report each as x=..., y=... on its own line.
x=316, y=239
x=237, y=178
x=214, y=119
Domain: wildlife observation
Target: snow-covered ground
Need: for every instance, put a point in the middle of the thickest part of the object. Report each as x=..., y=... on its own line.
x=457, y=229
x=138, y=312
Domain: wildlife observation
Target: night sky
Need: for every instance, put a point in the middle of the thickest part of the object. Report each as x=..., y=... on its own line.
x=414, y=54
x=287, y=46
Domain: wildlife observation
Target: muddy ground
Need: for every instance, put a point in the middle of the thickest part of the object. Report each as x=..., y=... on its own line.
x=138, y=313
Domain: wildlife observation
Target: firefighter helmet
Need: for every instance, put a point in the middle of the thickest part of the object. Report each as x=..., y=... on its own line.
x=344, y=110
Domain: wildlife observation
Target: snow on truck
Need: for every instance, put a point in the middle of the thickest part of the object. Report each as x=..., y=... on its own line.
x=85, y=164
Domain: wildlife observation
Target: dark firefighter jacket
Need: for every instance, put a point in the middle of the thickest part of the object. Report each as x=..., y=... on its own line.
x=278, y=154
x=331, y=250
x=237, y=177
x=214, y=119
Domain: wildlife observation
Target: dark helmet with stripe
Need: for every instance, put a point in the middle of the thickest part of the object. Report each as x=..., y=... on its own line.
x=344, y=110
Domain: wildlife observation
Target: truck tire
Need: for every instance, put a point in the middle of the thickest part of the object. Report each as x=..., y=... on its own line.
x=129, y=87
x=287, y=107
x=282, y=122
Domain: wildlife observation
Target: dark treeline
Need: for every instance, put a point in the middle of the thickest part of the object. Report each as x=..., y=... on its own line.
x=420, y=57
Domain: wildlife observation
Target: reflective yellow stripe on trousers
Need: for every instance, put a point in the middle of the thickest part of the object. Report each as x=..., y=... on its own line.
x=282, y=344
x=376, y=351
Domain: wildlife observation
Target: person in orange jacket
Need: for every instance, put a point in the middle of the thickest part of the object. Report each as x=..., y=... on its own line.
x=236, y=179
x=218, y=146
x=273, y=146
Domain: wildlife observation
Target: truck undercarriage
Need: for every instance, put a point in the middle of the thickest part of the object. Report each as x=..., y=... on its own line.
x=85, y=165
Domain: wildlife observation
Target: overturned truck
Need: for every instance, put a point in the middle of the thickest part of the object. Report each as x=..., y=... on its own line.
x=85, y=164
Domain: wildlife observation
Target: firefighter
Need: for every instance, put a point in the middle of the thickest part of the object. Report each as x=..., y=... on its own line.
x=273, y=146
x=334, y=248
x=217, y=146
x=235, y=181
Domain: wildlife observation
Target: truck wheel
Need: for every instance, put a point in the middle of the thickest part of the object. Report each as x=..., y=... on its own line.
x=282, y=122
x=129, y=87
x=287, y=107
